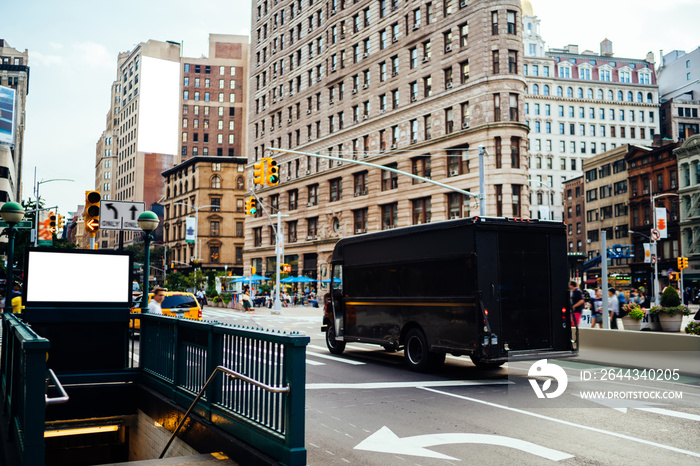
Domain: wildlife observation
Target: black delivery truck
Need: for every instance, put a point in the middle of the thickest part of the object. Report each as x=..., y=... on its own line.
x=490, y=288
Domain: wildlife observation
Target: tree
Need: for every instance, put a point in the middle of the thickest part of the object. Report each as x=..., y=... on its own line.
x=670, y=298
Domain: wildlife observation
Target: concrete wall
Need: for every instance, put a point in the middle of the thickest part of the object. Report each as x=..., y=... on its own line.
x=147, y=439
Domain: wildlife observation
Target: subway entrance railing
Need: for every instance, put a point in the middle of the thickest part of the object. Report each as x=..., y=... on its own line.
x=177, y=356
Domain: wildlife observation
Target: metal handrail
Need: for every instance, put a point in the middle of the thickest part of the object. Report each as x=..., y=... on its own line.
x=59, y=399
x=233, y=375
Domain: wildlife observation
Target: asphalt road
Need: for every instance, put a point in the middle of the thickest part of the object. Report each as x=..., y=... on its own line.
x=365, y=408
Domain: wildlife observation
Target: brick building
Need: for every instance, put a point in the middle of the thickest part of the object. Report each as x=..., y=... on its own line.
x=417, y=86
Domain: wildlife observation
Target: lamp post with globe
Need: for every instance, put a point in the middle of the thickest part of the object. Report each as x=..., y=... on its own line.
x=148, y=221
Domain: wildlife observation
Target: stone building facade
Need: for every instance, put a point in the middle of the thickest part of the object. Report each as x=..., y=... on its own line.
x=14, y=74
x=212, y=190
x=416, y=86
x=688, y=156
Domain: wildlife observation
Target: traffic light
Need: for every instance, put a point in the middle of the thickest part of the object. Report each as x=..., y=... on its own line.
x=674, y=276
x=60, y=222
x=259, y=173
x=272, y=174
x=52, y=223
x=92, y=211
x=253, y=205
x=682, y=263
x=285, y=268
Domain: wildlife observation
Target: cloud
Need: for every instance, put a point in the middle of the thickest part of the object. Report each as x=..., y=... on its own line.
x=55, y=45
x=95, y=55
x=39, y=59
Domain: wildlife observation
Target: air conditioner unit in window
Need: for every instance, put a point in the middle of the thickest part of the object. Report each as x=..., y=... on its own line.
x=309, y=238
x=308, y=172
x=274, y=50
x=308, y=204
x=274, y=101
x=425, y=59
x=308, y=112
x=394, y=39
x=364, y=117
x=415, y=27
x=309, y=30
x=381, y=111
x=318, y=80
x=333, y=69
x=354, y=91
x=463, y=4
x=394, y=74
x=311, y=54
x=365, y=86
x=289, y=120
x=448, y=48
x=274, y=75
x=394, y=8
x=413, y=141
x=332, y=12
x=448, y=85
x=291, y=93
x=393, y=146
x=465, y=125
x=330, y=101
x=342, y=36
x=413, y=98
x=365, y=55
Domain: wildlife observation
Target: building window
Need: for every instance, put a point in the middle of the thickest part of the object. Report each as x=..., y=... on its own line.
x=390, y=180
x=421, y=210
x=214, y=254
x=390, y=216
x=511, y=21
x=420, y=166
x=313, y=195
x=360, y=220
x=361, y=184
x=336, y=189
x=214, y=228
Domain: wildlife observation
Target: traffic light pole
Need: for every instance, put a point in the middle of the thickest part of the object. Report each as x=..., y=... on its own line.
x=481, y=197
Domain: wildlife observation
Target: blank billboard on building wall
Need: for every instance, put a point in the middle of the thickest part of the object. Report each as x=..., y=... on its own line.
x=159, y=106
x=7, y=115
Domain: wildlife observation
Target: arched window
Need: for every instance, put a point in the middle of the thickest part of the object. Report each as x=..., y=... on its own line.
x=539, y=198
x=630, y=98
x=589, y=94
x=215, y=182
x=650, y=99
x=240, y=184
x=560, y=91
x=545, y=90
x=535, y=89
x=569, y=92
x=167, y=193
x=600, y=94
x=620, y=96
x=610, y=95
x=579, y=93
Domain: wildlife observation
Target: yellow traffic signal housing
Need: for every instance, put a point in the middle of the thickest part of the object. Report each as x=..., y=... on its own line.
x=247, y=207
x=92, y=211
x=259, y=173
x=52, y=223
x=285, y=268
x=272, y=174
x=685, y=263
x=60, y=222
x=253, y=205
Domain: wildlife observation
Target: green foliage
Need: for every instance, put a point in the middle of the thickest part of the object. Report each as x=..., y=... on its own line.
x=669, y=297
x=636, y=313
x=693, y=328
x=670, y=310
x=176, y=281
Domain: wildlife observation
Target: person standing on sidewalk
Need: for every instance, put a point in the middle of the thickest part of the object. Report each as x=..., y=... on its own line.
x=614, y=307
x=577, y=302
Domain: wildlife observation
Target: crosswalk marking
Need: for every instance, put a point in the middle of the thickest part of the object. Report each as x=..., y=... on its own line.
x=335, y=358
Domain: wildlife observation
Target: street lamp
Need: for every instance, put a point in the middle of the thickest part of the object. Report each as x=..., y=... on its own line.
x=655, y=278
x=12, y=213
x=657, y=295
x=148, y=221
x=36, y=207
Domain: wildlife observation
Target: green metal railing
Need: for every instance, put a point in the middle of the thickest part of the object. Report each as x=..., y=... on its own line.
x=23, y=386
x=177, y=356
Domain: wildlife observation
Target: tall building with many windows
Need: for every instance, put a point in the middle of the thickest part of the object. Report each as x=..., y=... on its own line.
x=14, y=88
x=415, y=86
x=578, y=104
x=165, y=109
x=679, y=90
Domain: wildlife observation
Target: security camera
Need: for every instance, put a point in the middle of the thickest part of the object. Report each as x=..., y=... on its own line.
x=482, y=149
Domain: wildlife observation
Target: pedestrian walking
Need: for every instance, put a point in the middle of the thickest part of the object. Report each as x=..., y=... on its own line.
x=156, y=300
x=577, y=301
x=613, y=307
x=597, y=309
x=246, y=300
x=201, y=297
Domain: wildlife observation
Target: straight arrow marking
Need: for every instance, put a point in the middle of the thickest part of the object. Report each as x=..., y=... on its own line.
x=385, y=441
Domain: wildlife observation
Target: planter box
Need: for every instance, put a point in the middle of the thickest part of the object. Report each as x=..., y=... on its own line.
x=670, y=323
x=631, y=324
x=650, y=322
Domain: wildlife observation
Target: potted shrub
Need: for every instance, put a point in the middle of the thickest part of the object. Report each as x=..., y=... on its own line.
x=671, y=311
x=634, y=315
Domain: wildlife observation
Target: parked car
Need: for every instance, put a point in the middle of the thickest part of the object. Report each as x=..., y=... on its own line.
x=175, y=304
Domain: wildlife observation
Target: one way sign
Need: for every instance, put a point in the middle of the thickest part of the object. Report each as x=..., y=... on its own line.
x=120, y=215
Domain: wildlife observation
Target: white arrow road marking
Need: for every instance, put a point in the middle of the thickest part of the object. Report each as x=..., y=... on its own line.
x=417, y=384
x=385, y=441
x=567, y=423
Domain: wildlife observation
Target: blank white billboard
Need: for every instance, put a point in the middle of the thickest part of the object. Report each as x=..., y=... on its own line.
x=159, y=106
x=73, y=277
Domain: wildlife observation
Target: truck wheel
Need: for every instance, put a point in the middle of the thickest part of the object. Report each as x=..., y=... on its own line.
x=485, y=364
x=416, y=352
x=334, y=346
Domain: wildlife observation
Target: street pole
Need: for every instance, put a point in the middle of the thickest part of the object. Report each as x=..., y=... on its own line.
x=9, y=276
x=482, y=182
x=36, y=206
x=277, y=304
x=146, y=271
x=656, y=271
x=604, y=278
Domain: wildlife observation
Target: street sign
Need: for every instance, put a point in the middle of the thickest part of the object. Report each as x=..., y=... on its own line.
x=120, y=215
x=655, y=234
x=21, y=225
x=653, y=259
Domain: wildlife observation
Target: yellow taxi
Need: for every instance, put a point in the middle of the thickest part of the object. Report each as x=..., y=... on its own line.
x=175, y=304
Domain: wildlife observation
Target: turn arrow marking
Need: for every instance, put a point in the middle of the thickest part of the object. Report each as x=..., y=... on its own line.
x=113, y=209
x=385, y=441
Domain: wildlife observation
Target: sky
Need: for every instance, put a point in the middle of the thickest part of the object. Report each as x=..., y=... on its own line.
x=73, y=47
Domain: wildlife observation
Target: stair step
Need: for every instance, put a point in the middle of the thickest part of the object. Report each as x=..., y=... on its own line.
x=208, y=459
